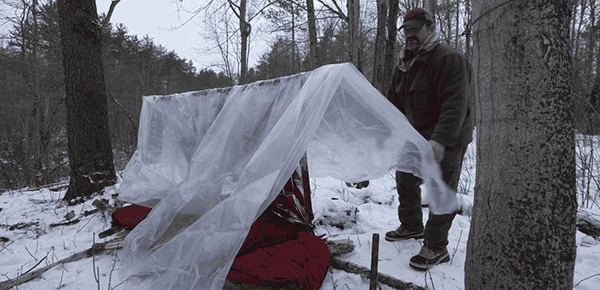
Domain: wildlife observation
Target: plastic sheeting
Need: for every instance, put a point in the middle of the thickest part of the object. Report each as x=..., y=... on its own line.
x=210, y=162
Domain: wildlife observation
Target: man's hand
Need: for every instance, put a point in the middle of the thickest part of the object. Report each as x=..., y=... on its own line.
x=438, y=150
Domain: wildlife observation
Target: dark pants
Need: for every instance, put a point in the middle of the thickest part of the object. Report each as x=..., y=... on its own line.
x=409, y=194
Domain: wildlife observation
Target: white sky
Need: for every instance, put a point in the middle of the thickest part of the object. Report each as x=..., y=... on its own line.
x=156, y=18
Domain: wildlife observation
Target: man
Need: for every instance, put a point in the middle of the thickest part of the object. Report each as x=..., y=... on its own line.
x=431, y=86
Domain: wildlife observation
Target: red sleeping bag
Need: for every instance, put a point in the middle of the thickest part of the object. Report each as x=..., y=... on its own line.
x=303, y=261
x=130, y=216
x=277, y=250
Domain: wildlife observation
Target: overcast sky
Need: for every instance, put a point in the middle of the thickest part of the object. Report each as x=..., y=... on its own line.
x=157, y=18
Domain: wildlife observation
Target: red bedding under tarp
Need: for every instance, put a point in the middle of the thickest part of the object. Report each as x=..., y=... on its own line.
x=303, y=260
x=130, y=216
x=276, y=250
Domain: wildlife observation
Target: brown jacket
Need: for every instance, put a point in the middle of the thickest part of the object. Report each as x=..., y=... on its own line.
x=434, y=94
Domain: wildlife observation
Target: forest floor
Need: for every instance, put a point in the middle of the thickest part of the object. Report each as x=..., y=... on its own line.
x=30, y=238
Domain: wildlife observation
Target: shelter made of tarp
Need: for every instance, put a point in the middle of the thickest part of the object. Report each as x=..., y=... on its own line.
x=210, y=162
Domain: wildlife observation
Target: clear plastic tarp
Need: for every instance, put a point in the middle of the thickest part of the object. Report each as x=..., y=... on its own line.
x=210, y=162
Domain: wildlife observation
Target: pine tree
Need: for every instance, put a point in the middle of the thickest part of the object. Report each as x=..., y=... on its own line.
x=89, y=144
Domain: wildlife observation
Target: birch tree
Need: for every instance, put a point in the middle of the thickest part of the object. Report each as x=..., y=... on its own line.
x=522, y=232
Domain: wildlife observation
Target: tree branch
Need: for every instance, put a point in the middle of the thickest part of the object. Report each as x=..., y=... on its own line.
x=337, y=12
x=113, y=4
x=262, y=9
x=233, y=6
x=487, y=12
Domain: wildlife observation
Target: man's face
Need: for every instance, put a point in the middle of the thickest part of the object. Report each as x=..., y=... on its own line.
x=415, y=36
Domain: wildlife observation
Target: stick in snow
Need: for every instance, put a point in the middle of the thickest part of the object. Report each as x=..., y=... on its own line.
x=95, y=249
x=381, y=278
x=374, y=260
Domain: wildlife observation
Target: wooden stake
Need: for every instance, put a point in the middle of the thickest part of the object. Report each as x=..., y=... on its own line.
x=374, y=260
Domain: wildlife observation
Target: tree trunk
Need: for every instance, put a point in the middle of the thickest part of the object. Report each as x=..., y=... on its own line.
x=591, y=43
x=294, y=50
x=42, y=104
x=353, y=27
x=593, y=107
x=379, y=60
x=390, y=44
x=245, y=32
x=432, y=7
x=457, y=24
x=468, y=29
x=448, y=22
x=573, y=21
x=312, y=35
x=523, y=229
x=89, y=145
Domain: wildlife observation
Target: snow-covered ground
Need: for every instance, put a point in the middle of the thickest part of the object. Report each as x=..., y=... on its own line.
x=342, y=213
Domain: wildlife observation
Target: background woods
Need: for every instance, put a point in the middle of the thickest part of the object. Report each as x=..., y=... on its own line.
x=304, y=35
x=33, y=140
x=537, y=84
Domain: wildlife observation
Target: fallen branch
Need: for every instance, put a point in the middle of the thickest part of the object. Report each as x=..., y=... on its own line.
x=90, y=212
x=586, y=279
x=6, y=246
x=587, y=223
x=67, y=223
x=113, y=230
x=381, y=278
x=95, y=249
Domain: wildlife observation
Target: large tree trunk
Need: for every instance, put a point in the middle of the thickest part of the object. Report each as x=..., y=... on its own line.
x=89, y=145
x=379, y=60
x=312, y=35
x=522, y=232
x=390, y=44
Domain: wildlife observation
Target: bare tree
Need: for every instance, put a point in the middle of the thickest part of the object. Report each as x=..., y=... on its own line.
x=354, y=31
x=468, y=29
x=312, y=35
x=111, y=9
x=379, y=64
x=245, y=29
x=241, y=12
x=390, y=43
x=523, y=228
x=352, y=18
x=89, y=144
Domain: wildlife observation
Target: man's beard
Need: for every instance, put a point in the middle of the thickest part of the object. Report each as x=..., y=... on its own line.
x=412, y=43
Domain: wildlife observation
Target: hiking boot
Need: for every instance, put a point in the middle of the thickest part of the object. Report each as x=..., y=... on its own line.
x=402, y=233
x=428, y=258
